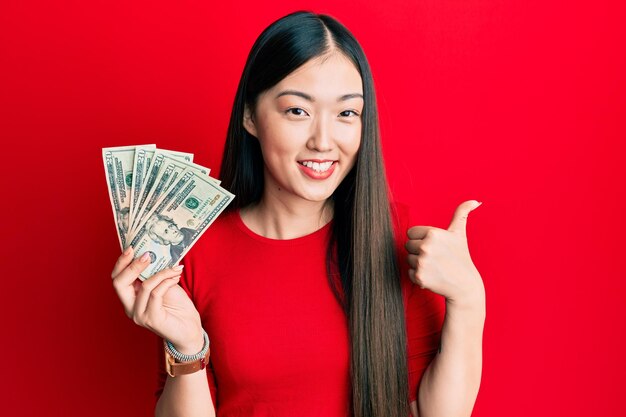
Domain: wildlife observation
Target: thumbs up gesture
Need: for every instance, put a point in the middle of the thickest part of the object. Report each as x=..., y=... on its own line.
x=440, y=260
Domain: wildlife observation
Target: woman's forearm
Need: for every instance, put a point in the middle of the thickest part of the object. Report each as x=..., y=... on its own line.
x=450, y=384
x=186, y=396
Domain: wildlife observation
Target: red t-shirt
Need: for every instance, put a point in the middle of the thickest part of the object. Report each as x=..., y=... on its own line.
x=279, y=337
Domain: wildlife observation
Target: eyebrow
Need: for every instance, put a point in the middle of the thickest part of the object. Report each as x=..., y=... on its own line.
x=309, y=98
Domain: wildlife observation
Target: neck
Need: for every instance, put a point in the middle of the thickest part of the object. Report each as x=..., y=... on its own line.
x=277, y=217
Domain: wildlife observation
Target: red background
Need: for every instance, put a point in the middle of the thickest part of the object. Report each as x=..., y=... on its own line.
x=519, y=104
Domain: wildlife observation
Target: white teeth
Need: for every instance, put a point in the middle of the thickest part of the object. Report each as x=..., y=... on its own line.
x=317, y=166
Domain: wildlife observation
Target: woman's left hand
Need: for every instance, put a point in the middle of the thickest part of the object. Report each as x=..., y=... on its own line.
x=440, y=260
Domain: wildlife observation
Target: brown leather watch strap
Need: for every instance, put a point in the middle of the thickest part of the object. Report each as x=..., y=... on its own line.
x=175, y=369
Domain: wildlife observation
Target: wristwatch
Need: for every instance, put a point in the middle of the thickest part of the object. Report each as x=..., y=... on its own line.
x=175, y=368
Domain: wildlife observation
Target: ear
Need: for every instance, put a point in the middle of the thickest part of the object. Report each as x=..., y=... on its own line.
x=248, y=121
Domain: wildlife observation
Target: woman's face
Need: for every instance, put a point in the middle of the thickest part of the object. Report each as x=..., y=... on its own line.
x=309, y=128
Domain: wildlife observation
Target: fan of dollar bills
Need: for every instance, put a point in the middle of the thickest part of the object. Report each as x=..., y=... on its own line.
x=162, y=202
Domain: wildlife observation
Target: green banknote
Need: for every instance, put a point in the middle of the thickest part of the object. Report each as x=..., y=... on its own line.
x=174, y=224
x=143, y=156
x=118, y=167
x=169, y=171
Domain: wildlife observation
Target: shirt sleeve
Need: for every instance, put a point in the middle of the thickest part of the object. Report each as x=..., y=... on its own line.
x=187, y=283
x=424, y=311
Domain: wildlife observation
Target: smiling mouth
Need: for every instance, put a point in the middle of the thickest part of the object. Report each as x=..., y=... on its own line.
x=318, y=166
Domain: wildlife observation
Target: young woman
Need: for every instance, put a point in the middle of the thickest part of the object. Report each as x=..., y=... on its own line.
x=304, y=286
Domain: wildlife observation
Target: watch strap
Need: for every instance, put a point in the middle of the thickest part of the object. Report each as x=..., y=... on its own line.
x=175, y=369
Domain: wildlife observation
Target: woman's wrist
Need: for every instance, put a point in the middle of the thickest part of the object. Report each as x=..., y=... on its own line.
x=192, y=346
x=178, y=363
x=472, y=300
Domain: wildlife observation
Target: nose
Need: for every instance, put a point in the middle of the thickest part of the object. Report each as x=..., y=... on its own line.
x=321, y=137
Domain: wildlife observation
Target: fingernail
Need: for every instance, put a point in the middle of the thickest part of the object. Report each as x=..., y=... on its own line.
x=178, y=267
x=145, y=257
x=128, y=250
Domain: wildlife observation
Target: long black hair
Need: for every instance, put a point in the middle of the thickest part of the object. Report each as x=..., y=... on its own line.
x=362, y=244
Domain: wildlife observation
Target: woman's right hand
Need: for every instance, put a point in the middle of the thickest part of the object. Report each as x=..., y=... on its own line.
x=158, y=303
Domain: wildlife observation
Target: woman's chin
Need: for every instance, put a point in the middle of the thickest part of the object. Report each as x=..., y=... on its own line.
x=318, y=195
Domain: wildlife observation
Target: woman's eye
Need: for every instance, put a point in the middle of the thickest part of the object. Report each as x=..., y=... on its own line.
x=296, y=111
x=348, y=113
